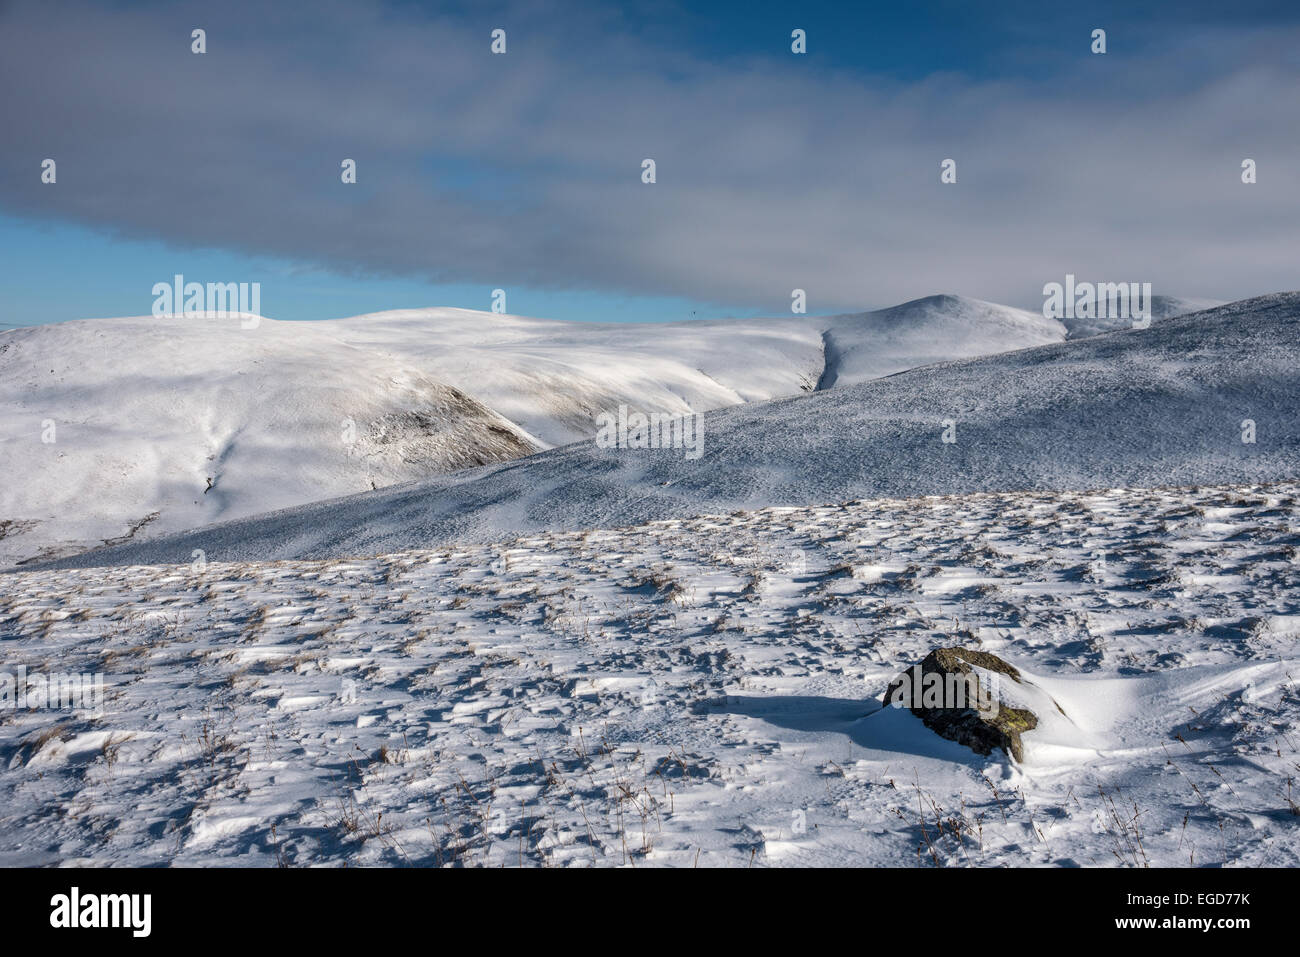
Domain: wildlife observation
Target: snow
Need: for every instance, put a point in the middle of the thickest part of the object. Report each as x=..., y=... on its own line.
x=701, y=691
x=1158, y=406
x=926, y=331
x=583, y=656
x=1162, y=307
x=147, y=410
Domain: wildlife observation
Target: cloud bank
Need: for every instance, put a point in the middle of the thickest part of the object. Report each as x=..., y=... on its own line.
x=772, y=172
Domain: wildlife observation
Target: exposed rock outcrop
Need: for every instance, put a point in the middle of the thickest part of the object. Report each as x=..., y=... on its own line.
x=958, y=693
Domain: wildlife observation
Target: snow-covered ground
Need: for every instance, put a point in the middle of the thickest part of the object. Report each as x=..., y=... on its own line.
x=127, y=429
x=696, y=691
x=1177, y=403
x=553, y=654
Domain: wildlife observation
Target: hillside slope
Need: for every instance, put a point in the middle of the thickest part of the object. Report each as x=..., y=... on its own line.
x=116, y=429
x=1160, y=406
x=1162, y=308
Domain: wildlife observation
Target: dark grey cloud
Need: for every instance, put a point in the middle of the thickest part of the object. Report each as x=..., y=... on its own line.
x=773, y=173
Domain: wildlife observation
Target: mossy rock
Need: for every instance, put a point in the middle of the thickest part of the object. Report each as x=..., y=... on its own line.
x=952, y=700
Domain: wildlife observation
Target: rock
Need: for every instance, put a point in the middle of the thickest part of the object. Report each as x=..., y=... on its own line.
x=963, y=704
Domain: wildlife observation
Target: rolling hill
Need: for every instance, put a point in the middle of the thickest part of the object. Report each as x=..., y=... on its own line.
x=1167, y=405
x=122, y=429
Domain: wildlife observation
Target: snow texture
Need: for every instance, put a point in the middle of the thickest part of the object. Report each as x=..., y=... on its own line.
x=691, y=692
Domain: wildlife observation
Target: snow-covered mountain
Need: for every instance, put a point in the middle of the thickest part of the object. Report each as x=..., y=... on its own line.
x=114, y=429
x=1171, y=404
x=864, y=346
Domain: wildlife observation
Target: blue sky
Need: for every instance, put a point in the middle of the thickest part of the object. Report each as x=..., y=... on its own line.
x=522, y=171
x=115, y=275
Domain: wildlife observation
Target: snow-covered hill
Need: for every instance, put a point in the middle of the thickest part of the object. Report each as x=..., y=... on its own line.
x=1170, y=404
x=118, y=429
x=870, y=345
x=123, y=428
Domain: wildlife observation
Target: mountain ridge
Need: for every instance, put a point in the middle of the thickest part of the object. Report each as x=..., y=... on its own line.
x=159, y=424
x=1154, y=407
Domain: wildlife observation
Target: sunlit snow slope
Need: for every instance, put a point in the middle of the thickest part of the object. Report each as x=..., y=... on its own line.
x=1160, y=406
x=117, y=429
